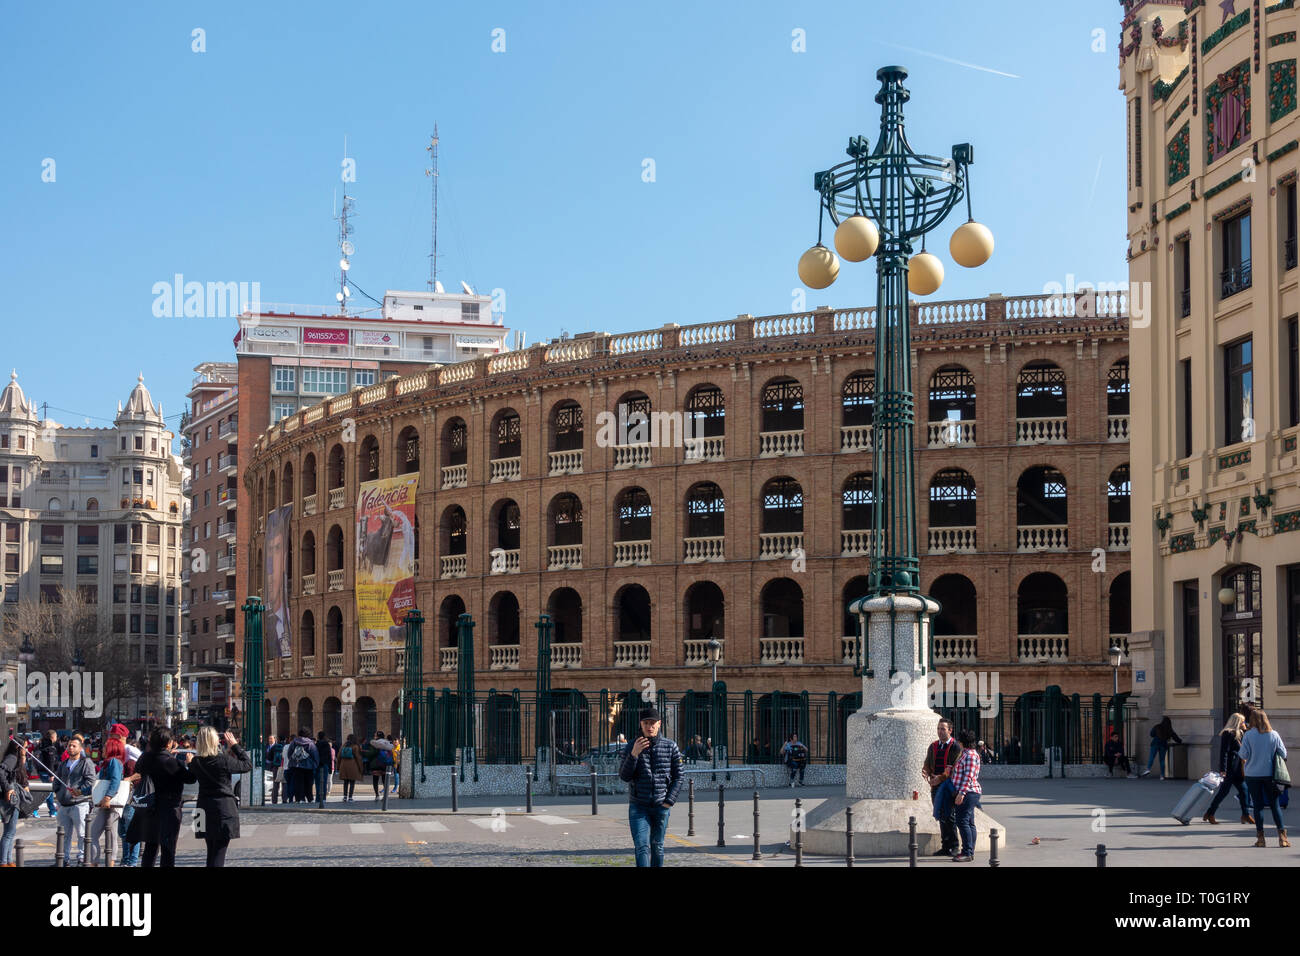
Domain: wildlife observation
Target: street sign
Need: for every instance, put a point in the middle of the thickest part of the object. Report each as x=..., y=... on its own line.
x=1140, y=677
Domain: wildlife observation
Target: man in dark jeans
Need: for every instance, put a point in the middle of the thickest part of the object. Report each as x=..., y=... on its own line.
x=652, y=765
x=940, y=758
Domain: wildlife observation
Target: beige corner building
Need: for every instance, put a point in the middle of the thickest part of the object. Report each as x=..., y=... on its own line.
x=1213, y=147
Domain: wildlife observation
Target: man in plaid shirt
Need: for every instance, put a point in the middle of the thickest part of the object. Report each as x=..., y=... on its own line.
x=966, y=783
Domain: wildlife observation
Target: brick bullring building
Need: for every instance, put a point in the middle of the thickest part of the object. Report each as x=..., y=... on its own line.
x=753, y=530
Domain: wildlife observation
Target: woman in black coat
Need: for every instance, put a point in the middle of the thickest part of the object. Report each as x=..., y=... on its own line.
x=218, y=812
x=1230, y=767
x=159, y=826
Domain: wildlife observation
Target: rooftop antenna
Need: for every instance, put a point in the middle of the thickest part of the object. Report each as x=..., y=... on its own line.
x=432, y=173
x=345, y=244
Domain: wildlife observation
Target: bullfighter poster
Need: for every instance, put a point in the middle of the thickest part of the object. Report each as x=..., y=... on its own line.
x=275, y=620
x=385, y=560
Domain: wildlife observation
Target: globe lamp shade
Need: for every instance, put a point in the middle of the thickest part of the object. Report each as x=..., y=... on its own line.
x=818, y=267
x=924, y=274
x=971, y=245
x=857, y=238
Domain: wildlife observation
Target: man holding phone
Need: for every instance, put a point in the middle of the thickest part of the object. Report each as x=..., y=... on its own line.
x=652, y=766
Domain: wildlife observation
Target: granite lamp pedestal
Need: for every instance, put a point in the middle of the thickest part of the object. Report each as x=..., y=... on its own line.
x=887, y=742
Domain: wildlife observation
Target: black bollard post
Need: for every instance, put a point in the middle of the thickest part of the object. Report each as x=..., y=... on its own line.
x=87, y=858
x=110, y=844
x=911, y=841
x=383, y=780
x=454, y=806
x=19, y=847
x=848, y=836
x=758, y=850
x=528, y=791
x=722, y=811
x=1101, y=854
x=994, y=835
x=690, y=807
x=798, y=832
x=594, y=807
x=58, y=846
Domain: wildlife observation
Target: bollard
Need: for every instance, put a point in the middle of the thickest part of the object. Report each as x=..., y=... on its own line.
x=758, y=850
x=994, y=835
x=383, y=780
x=594, y=807
x=87, y=858
x=453, y=790
x=110, y=844
x=528, y=791
x=18, y=852
x=722, y=812
x=1101, y=854
x=58, y=846
x=848, y=836
x=911, y=841
x=690, y=807
x=798, y=832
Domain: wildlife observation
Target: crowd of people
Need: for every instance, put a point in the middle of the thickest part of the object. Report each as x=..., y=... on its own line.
x=304, y=768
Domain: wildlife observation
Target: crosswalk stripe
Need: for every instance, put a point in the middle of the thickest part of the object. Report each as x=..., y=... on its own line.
x=428, y=826
x=248, y=829
x=496, y=824
x=302, y=829
x=549, y=820
x=367, y=827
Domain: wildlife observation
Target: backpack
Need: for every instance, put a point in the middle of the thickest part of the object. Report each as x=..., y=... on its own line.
x=300, y=757
x=383, y=758
x=346, y=753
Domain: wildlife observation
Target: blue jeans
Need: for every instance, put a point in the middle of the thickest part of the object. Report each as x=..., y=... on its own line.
x=49, y=801
x=322, y=783
x=1158, y=748
x=7, y=841
x=649, y=827
x=130, y=851
x=966, y=822
x=1263, y=792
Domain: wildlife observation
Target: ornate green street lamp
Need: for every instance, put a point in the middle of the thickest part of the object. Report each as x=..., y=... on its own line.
x=254, y=698
x=882, y=200
x=413, y=690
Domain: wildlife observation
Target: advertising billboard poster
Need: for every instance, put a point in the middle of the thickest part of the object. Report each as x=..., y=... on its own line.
x=275, y=619
x=385, y=585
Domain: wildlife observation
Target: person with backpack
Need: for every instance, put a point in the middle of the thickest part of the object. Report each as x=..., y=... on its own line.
x=351, y=768
x=381, y=761
x=13, y=783
x=324, y=767
x=303, y=761
x=75, y=781
x=796, y=758
x=1261, y=751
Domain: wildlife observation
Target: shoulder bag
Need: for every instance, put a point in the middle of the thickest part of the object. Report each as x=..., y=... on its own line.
x=1281, y=775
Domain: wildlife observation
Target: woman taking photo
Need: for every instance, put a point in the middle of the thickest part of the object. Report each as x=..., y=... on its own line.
x=351, y=768
x=159, y=825
x=1260, y=746
x=218, y=812
x=13, y=777
x=1230, y=768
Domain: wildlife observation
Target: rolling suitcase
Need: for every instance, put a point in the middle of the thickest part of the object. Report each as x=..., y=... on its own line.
x=1197, y=799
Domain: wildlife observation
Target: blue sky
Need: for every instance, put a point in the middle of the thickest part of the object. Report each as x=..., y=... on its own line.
x=224, y=165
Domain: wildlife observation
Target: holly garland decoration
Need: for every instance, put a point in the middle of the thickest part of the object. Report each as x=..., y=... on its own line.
x=1179, y=155
x=1281, y=89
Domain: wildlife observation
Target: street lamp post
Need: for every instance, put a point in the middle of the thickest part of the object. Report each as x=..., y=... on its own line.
x=714, y=649
x=1116, y=659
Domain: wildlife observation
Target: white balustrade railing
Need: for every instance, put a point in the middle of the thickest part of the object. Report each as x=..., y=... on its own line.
x=455, y=476
x=1116, y=428
x=336, y=499
x=309, y=666
x=775, y=444
x=566, y=655
x=335, y=580
x=635, y=342
x=1042, y=537
x=711, y=334
x=566, y=462
x=951, y=433
x=781, y=545
x=632, y=456
x=631, y=653
x=704, y=549
x=1117, y=537
x=849, y=649
x=505, y=469
x=454, y=565
x=448, y=658
x=780, y=650
x=1043, y=648
x=399, y=660
x=286, y=667
x=856, y=542
x=309, y=584
x=503, y=657
x=855, y=437
x=631, y=552
x=564, y=557
x=368, y=662
x=308, y=505
x=335, y=664
x=955, y=650
x=959, y=540
x=1031, y=431
x=770, y=326
x=704, y=449
x=697, y=652
x=502, y=561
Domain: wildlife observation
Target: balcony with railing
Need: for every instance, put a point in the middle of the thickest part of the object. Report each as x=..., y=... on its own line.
x=855, y=438
x=1036, y=431
x=309, y=583
x=225, y=629
x=779, y=545
x=454, y=565
x=1117, y=536
x=779, y=444
x=225, y=562
x=228, y=464
x=334, y=579
x=632, y=456
x=631, y=653
x=955, y=650
x=697, y=652
x=951, y=433
x=849, y=648
x=335, y=663
x=1234, y=279
x=957, y=540
x=367, y=663
x=704, y=549
x=1043, y=648
x=228, y=429
x=448, y=658
x=455, y=476
x=309, y=666
x=1116, y=428
x=503, y=657
x=1043, y=537
x=628, y=553
x=566, y=655
x=1120, y=641
x=228, y=497
x=780, y=650
x=336, y=498
x=224, y=597
x=704, y=449
x=308, y=505
x=564, y=557
x=856, y=543
x=225, y=529
x=506, y=469
x=504, y=562
x=566, y=462
x=286, y=667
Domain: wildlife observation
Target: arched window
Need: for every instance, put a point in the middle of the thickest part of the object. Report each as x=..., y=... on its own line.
x=506, y=522
x=448, y=614
x=1117, y=388
x=566, y=520
x=408, y=450
x=782, y=501
x=632, y=515
x=781, y=406
x=706, y=411
x=308, y=632
x=566, y=427
x=952, y=407
x=337, y=469
x=858, y=587
x=782, y=608
x=1118, y=491
x=957, y=606
x=634, y=409
x=705, y=511
x=1043, y=605
x=632, y=613
x=952, y=499
x=858, y=404
x=1041, y=497
x=309, y=553
x=858, y=513
x=1040, y=392
x=334, y=631
x=455, y=443
x=55, y=505
x=286, y=485
x=271, y=489
x=507, y=430
x=368, y=459
x=503, y=625
x=309, y=475
x=565, y=608
x=1121, y=606
x=705, y=612
x=334, y=549
x=92, y=504
x=455, y=531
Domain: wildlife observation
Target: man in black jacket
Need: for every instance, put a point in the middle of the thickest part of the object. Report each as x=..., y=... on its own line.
x=652, y=766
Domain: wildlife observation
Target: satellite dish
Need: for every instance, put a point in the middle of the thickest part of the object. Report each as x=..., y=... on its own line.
x=347, y=247
x=437, y=286
x=465, y=285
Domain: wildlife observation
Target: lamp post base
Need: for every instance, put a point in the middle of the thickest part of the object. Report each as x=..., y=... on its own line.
x=880, y=827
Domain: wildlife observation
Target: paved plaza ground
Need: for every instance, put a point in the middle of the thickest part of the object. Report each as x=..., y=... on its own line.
x=494, y=831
